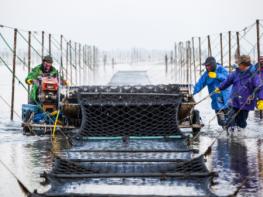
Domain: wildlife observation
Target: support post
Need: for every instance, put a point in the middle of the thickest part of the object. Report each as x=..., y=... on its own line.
x=84, y=65
x=49, y=44
x=190, y=67
x=29, y=61
x=175, y=63
x=229, y=51
x=258, y=57
x=187, y=63
x=209, y=46
x=200, y=55
x=193, y=48
x=94, y=57
x=221, y=49
x=70, y=62
x=61, y=56
x=13, y=76
x=181, y=62
x=80, y=68
x=67, y=49
x=238, y=45
x=258, y=41
x=76, y=70
x=43, y=44
x=175, y=54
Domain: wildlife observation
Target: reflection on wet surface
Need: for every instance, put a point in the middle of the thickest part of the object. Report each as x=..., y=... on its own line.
x=233, y=157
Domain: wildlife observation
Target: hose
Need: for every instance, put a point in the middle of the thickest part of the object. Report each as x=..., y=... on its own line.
x=55, y=124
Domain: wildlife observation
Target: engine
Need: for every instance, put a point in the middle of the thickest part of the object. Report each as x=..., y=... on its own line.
x=48, y=93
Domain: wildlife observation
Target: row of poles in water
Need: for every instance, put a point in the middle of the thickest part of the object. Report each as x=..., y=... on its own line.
x=188, y=56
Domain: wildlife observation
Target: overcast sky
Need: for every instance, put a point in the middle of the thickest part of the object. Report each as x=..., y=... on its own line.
x=112, y=24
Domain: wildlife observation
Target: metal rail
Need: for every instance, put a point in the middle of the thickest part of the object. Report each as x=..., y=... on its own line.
x=131, y=175
x=134, y=151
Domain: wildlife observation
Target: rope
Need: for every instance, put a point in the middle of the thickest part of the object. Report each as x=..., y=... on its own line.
x=55, y=124
x=9, y=27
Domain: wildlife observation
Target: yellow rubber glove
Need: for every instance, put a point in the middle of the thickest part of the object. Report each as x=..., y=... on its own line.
x=217, y=91
x=260, y=104
x=29, y=81
x=212, y=75
x=54, y=113
x=66, y=83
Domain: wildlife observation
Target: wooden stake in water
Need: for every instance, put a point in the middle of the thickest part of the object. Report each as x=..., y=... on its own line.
x=61, y=56
x=209, y=46
x=238, y=45
x=13, y=76
x=200, y=56
x=221, y=49
x=75, y=62
x=229, y=51
x=258, y=54
x=49, y=44
x=43, y=44
x=67, y=49
x=193, y=48
x=79, y=60
x=29, y=60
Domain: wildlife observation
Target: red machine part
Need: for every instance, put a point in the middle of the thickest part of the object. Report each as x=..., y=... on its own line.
x=49, y=84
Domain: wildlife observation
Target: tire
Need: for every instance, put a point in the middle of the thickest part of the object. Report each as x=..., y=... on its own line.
x=196, y=119
x=26, y=131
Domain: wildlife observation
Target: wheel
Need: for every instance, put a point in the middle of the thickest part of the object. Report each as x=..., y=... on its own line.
x=26, y=118
x=26, y=131
x=196, y=119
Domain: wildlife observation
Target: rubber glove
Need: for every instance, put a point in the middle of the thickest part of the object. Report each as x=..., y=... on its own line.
x=54, y=113
x=66, y=83
x=217, y=91
x=260, y=104
x=212, y=75
x=29, y=81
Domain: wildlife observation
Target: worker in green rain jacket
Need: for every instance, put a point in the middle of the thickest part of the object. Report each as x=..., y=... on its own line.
x=43, y=69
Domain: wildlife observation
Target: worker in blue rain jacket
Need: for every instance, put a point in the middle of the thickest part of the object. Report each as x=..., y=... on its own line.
x=212, y=77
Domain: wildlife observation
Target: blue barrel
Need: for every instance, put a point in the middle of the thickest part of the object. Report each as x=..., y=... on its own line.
x=27, y=109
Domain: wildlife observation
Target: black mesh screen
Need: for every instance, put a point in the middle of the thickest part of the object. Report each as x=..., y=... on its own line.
x=109, y=111
x=131, y=114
